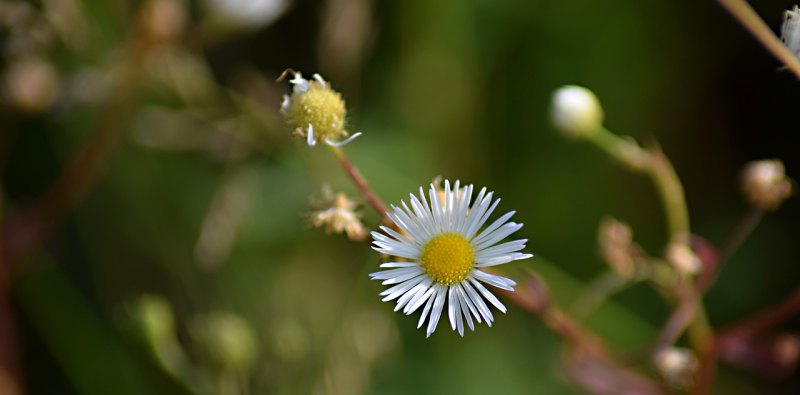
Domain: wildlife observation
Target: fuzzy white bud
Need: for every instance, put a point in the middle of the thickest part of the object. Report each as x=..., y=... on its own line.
x=765, y=184
x=576, y=112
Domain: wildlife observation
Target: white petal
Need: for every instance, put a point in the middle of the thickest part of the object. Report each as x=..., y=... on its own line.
x=497, y=235
x=496, y=224
x=487, y=295
x=498, y=281
x=427, y=308
x=482, y=220
x=414, y=304
x=310, y=135
x=398, y=264
x=436, y=310
x=343, y=142
x=478, y=303
x=462, y=300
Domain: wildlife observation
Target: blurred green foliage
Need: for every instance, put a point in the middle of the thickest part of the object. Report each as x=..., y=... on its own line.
x=459, y=89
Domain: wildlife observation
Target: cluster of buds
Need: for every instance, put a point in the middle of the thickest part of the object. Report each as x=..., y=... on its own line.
x=765, y=184
x=315, y=111
x=337, y=214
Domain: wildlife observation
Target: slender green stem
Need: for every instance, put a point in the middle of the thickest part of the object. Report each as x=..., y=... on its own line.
x=739, y=234
x=672, y=195
x=745, y=14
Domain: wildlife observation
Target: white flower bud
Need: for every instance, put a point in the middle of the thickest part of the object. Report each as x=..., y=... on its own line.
x=576, y=112
x=765, y=184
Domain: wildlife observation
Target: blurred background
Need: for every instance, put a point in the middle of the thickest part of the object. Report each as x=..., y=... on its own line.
x=177, y=257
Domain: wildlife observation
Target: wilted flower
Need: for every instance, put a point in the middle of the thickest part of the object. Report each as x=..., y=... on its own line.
x=576, y=112
x=765, y=184
x=338, y=214
x=447, y=255
x=616, y=246
x=316, y=111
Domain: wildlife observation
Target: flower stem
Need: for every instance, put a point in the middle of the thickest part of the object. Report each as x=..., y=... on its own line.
x=358, y=179
x=745, y=14
x=740, y=233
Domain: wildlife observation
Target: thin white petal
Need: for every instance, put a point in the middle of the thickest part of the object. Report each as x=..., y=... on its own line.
x=487, y=294
x=343, y=142
x=462, y=300
x=496, y=224
x=436, y=309
x=398, y=264
x=479, y=303
x=498, y=281
x=499, y=234
x=310, y=135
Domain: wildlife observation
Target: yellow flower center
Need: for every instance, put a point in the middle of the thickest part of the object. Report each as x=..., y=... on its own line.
x=448, y=258
x=321, y=107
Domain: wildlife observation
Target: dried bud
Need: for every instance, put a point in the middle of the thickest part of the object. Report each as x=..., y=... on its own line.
x=676, y=365
x=316, y=111
x=616, y=246
x=765, y=184
x=337, y=214
x=226, y=340
x=576, y=112
x=31, y=84
x=683, y=259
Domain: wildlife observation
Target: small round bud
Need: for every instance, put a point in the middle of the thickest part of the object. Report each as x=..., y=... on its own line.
x=576, y=112
x=682, y=258
x=765, y=184
x=225, y=339
x=676, y=365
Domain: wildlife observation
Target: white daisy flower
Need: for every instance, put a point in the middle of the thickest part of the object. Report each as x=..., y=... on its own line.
x=316, y=111
x=447, y=249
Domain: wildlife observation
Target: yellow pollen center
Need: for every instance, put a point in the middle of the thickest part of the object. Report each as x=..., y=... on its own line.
x=321, y=107
x=448, y=258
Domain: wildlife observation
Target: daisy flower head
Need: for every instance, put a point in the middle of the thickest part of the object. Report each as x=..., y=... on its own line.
x=315, y=111
x=445, y=248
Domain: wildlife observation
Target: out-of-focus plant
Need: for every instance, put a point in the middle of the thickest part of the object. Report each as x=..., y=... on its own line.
x=441, y=252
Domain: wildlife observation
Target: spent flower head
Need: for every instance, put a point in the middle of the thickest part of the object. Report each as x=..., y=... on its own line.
x=337, y=213
x=617, y=247
x=444, y=255
x=765, y=184
x=315, y=111
x=576, y=112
